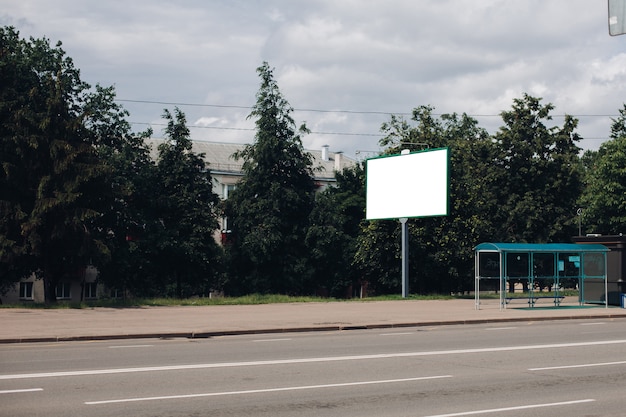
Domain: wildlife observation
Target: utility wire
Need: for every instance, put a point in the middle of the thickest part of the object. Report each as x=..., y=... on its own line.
x=226, y=106
x=182, y=104
x=253, y=129
x=245, y=129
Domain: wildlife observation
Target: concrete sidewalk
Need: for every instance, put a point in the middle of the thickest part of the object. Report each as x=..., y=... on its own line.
x=41, y=325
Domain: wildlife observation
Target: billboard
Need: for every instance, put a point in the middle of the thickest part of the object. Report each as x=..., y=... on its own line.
x=411, y=185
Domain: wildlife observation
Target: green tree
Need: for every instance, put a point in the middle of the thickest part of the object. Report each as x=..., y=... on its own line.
x=441, y=248
x=538, y=175
x=52, y=180
x=604, y=197
x=471, y=204
x=269, y=209
x=162, y=224
x=183, y=253
x=378, y=257
x=133, y=185
x=333, y=232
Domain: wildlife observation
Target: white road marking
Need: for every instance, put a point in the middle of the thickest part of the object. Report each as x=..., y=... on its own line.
x=308, y=360
x=395, y=334
x=521, y=407
x=130, y=346
x=584, y=365
x=15, y=391
x=593, y=324
x=267, y=390
x=501, y=328
x=270, y=340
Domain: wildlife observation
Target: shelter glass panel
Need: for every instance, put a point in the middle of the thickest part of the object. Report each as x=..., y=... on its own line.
x=569, y=264
x=489, y=264
x=543, y=265
x=594, y=265
x=517, y=265
x=544, y=273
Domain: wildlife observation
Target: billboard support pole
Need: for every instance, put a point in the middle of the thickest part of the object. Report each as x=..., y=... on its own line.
x=405, y=248
x=405, y=257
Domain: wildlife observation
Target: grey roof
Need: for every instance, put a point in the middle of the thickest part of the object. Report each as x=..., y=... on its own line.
x=540, y=247
x=219, y=157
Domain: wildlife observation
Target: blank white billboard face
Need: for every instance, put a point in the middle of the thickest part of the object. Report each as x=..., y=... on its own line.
x=413, y=185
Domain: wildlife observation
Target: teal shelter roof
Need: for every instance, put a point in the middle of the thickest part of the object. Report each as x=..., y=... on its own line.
x=540, y=247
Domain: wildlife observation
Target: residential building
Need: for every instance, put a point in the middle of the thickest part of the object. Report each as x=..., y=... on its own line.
x=225, y=171
x=79, y=286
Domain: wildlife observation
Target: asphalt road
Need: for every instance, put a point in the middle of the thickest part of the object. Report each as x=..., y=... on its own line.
x=549, y=368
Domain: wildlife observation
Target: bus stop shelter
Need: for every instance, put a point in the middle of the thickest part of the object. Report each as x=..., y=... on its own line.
x=539, y=266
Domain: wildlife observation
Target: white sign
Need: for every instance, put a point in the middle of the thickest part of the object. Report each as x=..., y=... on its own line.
x=413, y=185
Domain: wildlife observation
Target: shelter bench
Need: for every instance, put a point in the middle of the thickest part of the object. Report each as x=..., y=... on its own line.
x=534, y=298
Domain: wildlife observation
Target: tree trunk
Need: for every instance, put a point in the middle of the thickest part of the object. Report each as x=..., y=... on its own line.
x=50, y=289
x=49, y=283
x=179, y=286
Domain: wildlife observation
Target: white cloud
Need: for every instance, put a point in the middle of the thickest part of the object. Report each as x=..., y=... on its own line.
x=610, y=72
x=472, y=56
x=209, y=121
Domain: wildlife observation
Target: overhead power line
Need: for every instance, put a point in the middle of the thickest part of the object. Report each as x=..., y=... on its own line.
x=167, y=103
x=246, y=129
x=252, y=129
x=227, y=106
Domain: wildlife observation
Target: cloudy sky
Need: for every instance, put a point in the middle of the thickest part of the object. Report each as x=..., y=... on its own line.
x=343, y=65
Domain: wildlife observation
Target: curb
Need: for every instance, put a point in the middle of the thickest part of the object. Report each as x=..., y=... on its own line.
x=219, y=333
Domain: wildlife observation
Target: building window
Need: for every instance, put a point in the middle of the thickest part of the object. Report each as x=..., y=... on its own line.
x=227, y=189
x=225, y=223
x=90, y=289
x=116, y=293
x=26, y=290
x=64, y=290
